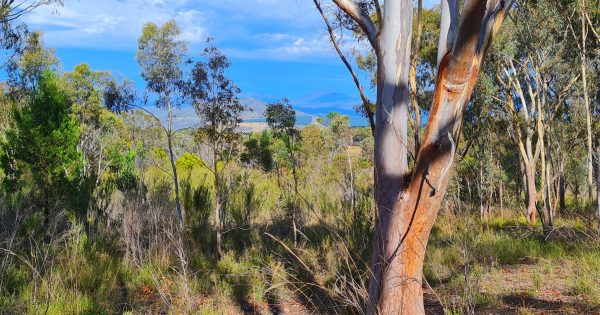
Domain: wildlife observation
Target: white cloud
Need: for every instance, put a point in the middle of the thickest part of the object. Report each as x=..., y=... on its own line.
x=257, y=29
x=191, y=30
x=111, y=24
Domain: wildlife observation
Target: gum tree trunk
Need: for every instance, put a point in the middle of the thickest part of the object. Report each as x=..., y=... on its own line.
x=408, y=202
x=391, y=132
x=416, y=208
x=547, y=216
x=531, y=194
x=408, y=226
x=598, y=182
x=174, y=167
x=501, y=198
x=588, y=114
x=218, y=205
x=561, y=187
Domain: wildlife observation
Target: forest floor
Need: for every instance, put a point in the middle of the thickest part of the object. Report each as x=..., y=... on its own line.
x=528, y=288
x=521, y=273
x=536, y=288
x=532, y=287
x=503, y=266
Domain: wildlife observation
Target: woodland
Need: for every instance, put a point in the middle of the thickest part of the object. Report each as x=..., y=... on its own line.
x=472, y=188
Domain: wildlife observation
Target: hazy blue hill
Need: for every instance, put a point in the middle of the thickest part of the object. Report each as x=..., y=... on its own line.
x=321, y=104
x=186, y=116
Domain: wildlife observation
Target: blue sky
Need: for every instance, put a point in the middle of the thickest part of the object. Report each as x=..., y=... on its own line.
x=278, y=48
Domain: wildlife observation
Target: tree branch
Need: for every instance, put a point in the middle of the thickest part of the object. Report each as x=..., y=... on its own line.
x=365, y=99
x=379, y=13
x=413, y=77
x=361, y=18
x=496, y=11
x=448, y=27
x=153, y=116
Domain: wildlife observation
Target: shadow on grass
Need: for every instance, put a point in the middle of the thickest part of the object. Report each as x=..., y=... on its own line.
x=515, y=301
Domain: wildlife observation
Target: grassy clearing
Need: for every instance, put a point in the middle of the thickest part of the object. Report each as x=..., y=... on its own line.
x=470, y=266
x=474, y=266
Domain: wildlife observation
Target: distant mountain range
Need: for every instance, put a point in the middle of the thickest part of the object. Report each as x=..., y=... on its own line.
x=257, y=112
x=186, y=116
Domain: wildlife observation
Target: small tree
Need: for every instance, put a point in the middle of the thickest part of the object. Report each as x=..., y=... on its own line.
x=215, y=98
x=161, y=55
x=339, y=125
x=257, y=151
x=281, y=118
x=40, y=150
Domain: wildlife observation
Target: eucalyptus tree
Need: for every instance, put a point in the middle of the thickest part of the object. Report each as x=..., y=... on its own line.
x=281, y=118
x=215, y=98
x=97, y=96
x=598, y=180
x=408, y=200
x=34, y=58
x=11, y=10
x=535, y=80
x=585, y=36
x=85, y=90
x=23, y=72
x=257, y=151
x=161, y=56
x=341, y=139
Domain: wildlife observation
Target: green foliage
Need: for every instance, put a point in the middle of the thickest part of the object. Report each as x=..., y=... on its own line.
x=215, y=98
x=313, y=137
x=243, y=201
x=257, y=151
x=160, y=55
x=429, y=38
x=93, y=92
x=41, y=146
x=25, y=71
x=281, y=118
x=197, y=202
x=123, y=166
x=339, y=125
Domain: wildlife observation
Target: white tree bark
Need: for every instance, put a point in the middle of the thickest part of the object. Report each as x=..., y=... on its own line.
x=448, y=27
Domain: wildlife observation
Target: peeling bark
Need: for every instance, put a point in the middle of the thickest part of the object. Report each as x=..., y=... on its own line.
x=415, y=209
x=413, y=78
